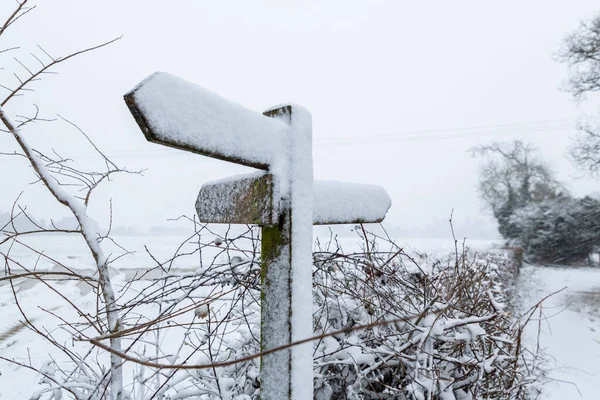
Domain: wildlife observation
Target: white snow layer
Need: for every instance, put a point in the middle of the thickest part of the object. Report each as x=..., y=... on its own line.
x=301, y=185
x=188, y=115
x=235, y=178
x=341, y=202
x=334, y=202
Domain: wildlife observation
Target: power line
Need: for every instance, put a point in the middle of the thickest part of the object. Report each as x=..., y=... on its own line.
x=458, y=132
x=518, y=128
x=377, y=139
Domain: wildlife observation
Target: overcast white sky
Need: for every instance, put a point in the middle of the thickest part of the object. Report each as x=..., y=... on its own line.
x=395, y=89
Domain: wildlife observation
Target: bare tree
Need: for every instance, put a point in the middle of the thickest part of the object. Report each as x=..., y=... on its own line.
x=585, y=149
x=55, y=173
x=512, y=175
x=580, y=50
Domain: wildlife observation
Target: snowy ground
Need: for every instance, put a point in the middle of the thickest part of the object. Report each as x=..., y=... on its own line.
x=571, y=333
x=570, y=336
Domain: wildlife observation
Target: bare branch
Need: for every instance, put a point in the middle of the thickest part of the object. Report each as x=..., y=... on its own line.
x=44, y=69
x=250, y=357
x=15, y=15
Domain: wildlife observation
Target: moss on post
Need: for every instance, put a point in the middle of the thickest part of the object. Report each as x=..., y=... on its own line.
x=276, y=321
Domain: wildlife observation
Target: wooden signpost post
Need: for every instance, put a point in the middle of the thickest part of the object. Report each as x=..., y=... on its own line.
x=282, y=199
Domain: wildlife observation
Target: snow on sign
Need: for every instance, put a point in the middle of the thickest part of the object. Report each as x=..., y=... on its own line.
x=248, y=199
x=173, y=112
x=283, y=199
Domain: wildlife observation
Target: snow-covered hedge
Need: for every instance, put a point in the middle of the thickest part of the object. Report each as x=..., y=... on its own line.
x=438, y=329
x=459, y=343
x=453, y=336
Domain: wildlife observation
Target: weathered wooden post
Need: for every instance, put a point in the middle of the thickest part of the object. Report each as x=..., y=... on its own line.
x=283, y=199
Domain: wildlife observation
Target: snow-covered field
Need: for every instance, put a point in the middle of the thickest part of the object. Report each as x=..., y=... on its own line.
x=570, y=336
x=72, y=251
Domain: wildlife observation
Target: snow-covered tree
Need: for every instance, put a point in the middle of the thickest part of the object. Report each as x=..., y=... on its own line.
x=581, y=52
x=561, y=230
x=513, y=175
x=68, y=185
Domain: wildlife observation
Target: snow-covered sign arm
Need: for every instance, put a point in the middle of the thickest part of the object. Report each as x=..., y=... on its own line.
x=349, y=203
x=179, y=114
x=243, y=199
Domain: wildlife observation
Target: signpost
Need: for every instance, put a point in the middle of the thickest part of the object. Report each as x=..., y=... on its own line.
x=282, y=199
